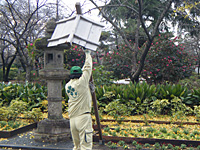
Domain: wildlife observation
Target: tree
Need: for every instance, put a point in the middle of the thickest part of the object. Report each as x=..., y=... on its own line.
x=187, y=17
x=118, y=61
x=74, y=57
x=193, y=47
x=168, y=60
x=21, y=24
x=140, y=10
x=7, y=56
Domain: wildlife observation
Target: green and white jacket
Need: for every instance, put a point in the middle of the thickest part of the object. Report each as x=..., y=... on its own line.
x=78, y=91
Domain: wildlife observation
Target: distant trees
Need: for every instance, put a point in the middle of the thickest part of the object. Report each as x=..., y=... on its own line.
x=187, y=16
x=136, y=14
x=137, y=22
x=193, y=47
x=22, y=22
x=20, y=25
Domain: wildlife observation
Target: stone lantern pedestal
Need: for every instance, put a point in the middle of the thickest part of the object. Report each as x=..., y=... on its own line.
x=55, y=128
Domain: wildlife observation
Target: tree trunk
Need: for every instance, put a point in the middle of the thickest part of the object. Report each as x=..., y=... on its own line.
x=37, y=70
x=134, y=68
x=22, y=63
x=6, y=68
x=4, y=73
x=136, y=75
x=28, y=73
x=134, y=59
x=6, y=77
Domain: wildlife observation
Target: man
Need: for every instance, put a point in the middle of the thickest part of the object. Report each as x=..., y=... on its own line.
x=80, y=102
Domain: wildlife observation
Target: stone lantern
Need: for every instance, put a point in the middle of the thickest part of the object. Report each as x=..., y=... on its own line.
x=55, y=128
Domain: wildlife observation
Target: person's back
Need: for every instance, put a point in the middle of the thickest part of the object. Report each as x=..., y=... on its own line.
x=80, y=97
x=80, y=101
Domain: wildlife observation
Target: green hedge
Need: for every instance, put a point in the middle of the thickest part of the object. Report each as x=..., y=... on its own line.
x=138, y=97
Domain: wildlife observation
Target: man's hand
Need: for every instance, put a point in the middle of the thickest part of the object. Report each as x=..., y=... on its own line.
x=87, y=51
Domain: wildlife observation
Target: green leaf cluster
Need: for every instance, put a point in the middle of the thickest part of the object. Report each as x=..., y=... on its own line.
x=141, y=98
x=101, y=76
x=193, y=98
x=175, y=106
x=32, y=94
x=13, y=110
x=10, y=125
x=169, y=91
x=117, y=110
x=18, y=108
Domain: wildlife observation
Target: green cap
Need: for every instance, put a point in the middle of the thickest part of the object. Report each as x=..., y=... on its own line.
x=75, y=70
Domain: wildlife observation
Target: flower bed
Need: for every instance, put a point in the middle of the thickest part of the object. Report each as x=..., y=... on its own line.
x=165, y=130
x=12, y=125
x=153, y=130
x=7, y=134
x=192, y=119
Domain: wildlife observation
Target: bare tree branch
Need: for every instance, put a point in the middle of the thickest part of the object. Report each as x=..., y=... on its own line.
x=150, y=37
x=116, y=27
x=161, y=17
x=142, y=21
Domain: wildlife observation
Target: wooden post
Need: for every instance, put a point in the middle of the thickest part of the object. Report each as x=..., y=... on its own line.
x=96, y=113
x=78, y=8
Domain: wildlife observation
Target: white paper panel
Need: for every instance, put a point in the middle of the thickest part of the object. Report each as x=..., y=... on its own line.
x=78, y=30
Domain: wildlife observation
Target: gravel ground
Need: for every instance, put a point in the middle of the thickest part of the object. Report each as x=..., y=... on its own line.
x=25, y=141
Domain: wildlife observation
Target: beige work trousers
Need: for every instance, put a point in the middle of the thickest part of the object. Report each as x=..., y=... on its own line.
x=82, y=132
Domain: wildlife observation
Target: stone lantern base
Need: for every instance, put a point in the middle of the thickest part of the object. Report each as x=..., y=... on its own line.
x=49, y=130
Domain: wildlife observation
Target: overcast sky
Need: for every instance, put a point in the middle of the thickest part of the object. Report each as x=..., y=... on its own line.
x=86, y=6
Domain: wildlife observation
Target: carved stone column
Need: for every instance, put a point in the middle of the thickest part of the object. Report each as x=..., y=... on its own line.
x=55, y=128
